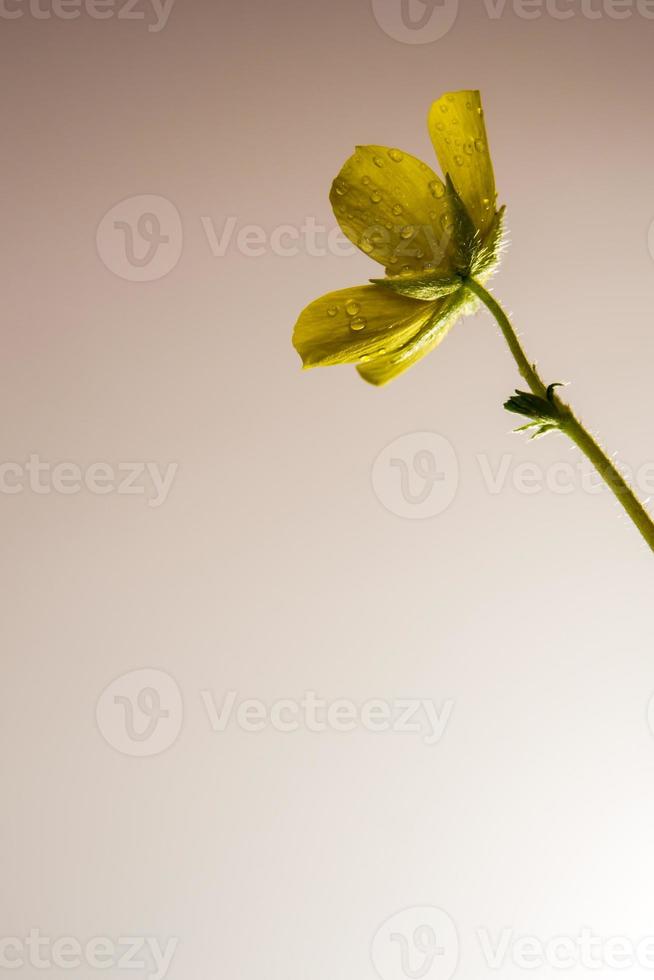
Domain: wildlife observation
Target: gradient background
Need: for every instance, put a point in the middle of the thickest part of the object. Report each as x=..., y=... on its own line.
x=272, y=568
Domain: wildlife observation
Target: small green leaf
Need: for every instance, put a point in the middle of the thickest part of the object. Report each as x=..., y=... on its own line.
x=488, y=253
x=465, y=239
x=543, y=412
x=424, y=286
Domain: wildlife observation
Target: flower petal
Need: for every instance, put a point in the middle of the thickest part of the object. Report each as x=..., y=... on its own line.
x=445, y=313
x=395, y=209
x=458, y=132
x=358, y=323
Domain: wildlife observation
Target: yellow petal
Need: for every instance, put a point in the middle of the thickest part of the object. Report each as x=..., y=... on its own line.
x=395, y=209
x=445, y=313
x=458, y=132
x=354, y=324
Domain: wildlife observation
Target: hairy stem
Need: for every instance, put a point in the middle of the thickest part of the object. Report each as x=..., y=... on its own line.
x=569, y=423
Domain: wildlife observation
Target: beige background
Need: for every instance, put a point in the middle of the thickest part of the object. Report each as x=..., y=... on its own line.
x=272, y=568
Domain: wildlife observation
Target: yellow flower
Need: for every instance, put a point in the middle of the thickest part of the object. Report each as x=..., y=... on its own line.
x=429, y=235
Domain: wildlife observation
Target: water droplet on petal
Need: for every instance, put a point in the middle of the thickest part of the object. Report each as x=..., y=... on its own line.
x=366, y=246
x=359, y=323
x=407, y=232
x=396, y=156
x=365, y=180
x=332, y=311
x=440, y=126
x=458, y=159
x=378, y=162
x=352, y=308
x=479, y=145
x=437, y=188
x=397, y=209
x=428, y=267
x=444, y=109
x=468, y=149
x=340, y=187
x=375, y=197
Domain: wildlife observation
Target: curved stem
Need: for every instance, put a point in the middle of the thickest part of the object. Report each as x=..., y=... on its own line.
x=569, y=423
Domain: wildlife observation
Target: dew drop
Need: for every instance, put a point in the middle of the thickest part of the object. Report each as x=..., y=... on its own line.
x=428, y=267
x=444, y=109
x=468, y=149
x=375, y=197
x=352, y=308
x=340, y=187
x=366, y=246
x=397, y=209
x=479, y=145
x=396, y=156
x=437, y=188
x=407, y=232
x=365, y=180
x=359, y=323
x=332, y=311
x=378, y=162
x=440, y=126
x=458, y=159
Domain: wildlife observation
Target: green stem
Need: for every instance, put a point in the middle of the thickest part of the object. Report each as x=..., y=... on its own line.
x=570, y=424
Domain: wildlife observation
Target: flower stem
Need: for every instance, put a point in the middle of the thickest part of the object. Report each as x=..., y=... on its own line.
x=569, y=423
